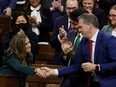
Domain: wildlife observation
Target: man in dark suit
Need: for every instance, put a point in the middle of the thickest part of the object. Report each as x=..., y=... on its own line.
x=6, y=7
x=57, y=7
x=65, y=22
x=101, y=61
x=69, y=45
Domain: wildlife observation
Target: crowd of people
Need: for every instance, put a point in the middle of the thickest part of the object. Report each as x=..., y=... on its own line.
x=83, y=36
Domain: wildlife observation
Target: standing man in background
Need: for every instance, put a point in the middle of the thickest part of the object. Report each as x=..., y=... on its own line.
x=65, y=22
x=69, y=45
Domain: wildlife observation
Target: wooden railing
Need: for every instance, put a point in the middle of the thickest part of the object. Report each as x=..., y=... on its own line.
x=42, y=82
x=9, y=81
x=33, y=81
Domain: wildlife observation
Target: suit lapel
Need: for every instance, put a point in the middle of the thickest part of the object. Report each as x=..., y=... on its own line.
x=98, y=42
x=71, y=36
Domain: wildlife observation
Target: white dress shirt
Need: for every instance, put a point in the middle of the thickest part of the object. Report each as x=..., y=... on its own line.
x=114, y=33
x=94, y=38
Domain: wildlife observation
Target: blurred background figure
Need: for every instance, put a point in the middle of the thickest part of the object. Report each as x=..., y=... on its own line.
x=6, y=7
x=106, y=4
x=40, y=18
x=57, y=8
x=21, y=21
x=89, y=5
x=111, y=27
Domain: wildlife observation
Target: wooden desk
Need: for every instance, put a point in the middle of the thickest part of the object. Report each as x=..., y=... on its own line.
x=35, y=81
x=9, y=81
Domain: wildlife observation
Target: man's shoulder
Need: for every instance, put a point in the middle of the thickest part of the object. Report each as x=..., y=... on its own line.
x=105, y=36
x=62, y=17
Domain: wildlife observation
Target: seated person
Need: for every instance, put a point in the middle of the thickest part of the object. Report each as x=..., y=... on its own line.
x=40, y=18
x=21, y=21
x=18, y=59
x=111, y=27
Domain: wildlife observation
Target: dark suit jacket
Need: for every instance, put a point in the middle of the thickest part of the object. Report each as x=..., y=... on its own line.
x=63, y=20
x=73, y=80
x=101, y=15
x=56, y=13
x=105, y=55
x=71, y=37
x=106, y=4
x=6, y=3
x=46, y=25
x=13, y=67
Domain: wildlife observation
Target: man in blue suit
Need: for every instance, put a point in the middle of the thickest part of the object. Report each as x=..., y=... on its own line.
x=6, y=7
x=69, y=45
x=62, y=21
x=101, y=63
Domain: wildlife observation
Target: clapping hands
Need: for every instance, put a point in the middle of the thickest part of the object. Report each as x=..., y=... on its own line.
x=66, y=46
x=62, y=32
x=56, y=5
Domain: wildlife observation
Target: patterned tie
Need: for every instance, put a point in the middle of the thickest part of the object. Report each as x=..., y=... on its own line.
x=77, y=42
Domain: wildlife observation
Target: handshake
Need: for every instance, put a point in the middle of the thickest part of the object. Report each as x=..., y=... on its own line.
x=44, y=72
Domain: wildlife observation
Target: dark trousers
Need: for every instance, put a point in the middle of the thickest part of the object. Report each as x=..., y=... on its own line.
x=94, y=84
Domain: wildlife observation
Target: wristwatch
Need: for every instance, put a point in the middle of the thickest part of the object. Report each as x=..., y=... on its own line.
x=97, y=67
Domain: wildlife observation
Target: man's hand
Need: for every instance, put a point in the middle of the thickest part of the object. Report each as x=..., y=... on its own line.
x=88, y=67
x=40, y=73
x=66, y=46
x=48, y=71
x=8, y=11
x=62, y=32
x=56, y=5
